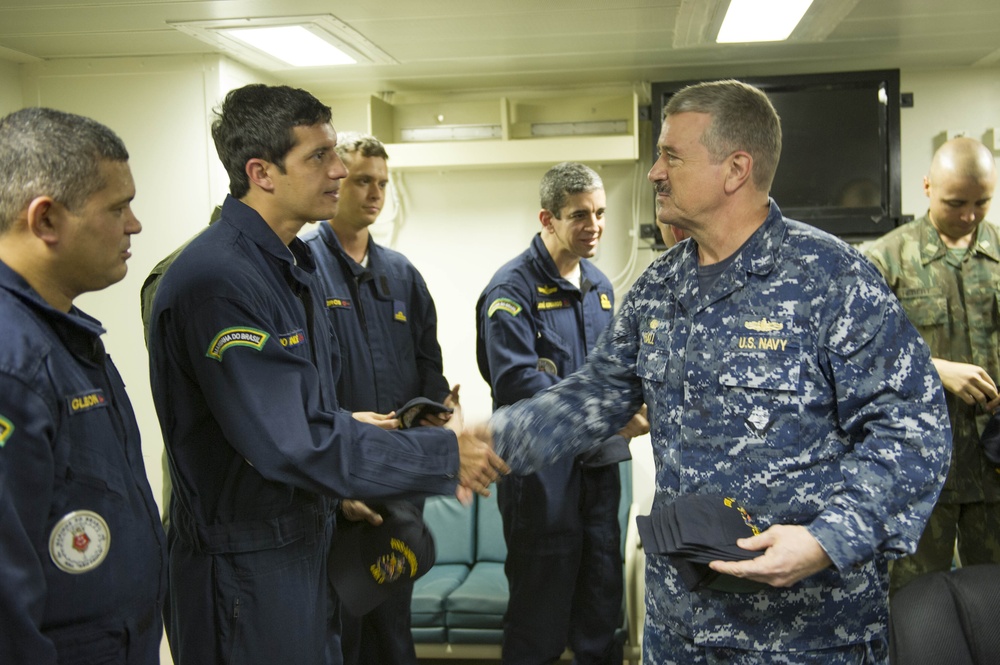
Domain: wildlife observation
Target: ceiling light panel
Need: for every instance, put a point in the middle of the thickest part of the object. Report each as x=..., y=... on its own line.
x=761, y=20
x=292, y=44
x=256, y=41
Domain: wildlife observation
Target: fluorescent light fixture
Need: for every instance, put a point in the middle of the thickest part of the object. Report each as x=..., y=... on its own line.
x=264, y=42
x=588, y=128
x=761, y=20
x=292, y=44
x=450, y=133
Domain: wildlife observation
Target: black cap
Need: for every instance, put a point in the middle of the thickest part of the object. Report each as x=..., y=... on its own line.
x=367, y=563
x=418, y=408
x=991, y=439
x=613, y=450
x=696, y=529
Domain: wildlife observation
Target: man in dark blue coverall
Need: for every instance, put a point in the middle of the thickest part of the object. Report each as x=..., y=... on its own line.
x=386, y=326
x=243, y=367
x=537, y=319
x=82, y=555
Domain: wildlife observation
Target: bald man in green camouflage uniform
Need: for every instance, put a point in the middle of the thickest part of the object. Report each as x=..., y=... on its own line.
x=945, y=270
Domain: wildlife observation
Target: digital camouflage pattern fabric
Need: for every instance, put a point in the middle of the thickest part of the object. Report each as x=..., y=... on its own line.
x=796, y=386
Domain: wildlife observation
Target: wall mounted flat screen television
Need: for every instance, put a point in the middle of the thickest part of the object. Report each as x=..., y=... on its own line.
x=840, y=167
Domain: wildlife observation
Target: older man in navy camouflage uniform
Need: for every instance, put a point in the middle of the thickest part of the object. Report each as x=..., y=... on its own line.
x=778, y=370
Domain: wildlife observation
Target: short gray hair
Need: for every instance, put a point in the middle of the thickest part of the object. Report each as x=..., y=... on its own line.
x=742, y=119
x=52, y=153
x=562, y=181
x=349, y=143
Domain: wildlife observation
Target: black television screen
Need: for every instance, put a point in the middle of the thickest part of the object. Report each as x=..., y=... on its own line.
x=839, y=167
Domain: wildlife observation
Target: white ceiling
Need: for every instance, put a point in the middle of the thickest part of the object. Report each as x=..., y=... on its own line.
x=447, y=45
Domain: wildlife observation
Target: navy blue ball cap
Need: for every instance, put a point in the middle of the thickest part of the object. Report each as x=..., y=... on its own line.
x=699, y=527
x=367, y=563
x=612, y=451
x=991, y=439
x=708, y=529
x=695, y=529
x=418, y=408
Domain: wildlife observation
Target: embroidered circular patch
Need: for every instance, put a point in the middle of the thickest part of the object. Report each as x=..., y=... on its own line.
x=389, y=568
x=547, y=366
x=79, y=542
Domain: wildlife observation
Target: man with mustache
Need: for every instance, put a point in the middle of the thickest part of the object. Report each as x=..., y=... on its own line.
x=779, y=372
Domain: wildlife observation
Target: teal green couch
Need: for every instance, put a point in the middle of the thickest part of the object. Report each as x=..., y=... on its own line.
x=458, y=606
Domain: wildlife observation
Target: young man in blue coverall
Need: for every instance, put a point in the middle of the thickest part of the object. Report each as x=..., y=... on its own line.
x=243, y=368
x=385, y=323
x=537, y=319
x=82, y=559
x=779, y=371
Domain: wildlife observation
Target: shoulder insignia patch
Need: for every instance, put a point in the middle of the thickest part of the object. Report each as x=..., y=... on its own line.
x=293, y=338
x=605, y=301
x=503, y=305
x=764, y=325
x=343, y=303
x=236, y=336
x=399, y=311
x=6, y=429
x=546, y=290
x=85, y=401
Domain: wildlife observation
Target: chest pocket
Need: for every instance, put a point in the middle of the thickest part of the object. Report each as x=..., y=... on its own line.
x=927, y=310
x=761, y=401
x=981, y=310
x=655, y=335
x=550, y=345
x=651, y=361
x=924, y=307
x=95, y=461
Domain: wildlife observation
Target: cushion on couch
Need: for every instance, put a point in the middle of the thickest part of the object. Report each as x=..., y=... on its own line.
x=462, y=599
x=427, y=607
x=490, y=543
x=453, y=526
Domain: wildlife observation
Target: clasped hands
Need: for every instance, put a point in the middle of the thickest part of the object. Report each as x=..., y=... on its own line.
x=479, y=465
